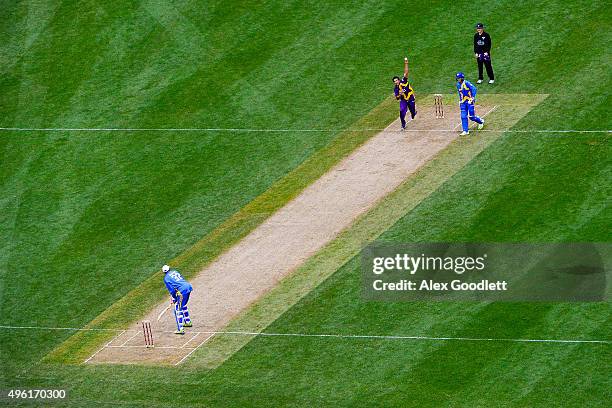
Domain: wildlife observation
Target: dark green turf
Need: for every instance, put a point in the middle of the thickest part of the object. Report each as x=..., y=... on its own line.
x=86, y=217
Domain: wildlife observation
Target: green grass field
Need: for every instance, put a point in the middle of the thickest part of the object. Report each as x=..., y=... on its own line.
x=88, y=216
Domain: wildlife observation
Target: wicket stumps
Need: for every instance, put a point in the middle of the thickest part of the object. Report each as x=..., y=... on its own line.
x=438, y=106
x=148, y=333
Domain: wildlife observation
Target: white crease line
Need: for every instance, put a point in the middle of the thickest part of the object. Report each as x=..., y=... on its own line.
x=125, y=342
x=8, y=129
x=187, y=342
x=188, y=354
x=103, y=347
x=491, y=110
x=154, y=347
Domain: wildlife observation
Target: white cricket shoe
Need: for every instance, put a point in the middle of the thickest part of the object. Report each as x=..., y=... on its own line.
x=464, y=133
x=481, y=125
x=491, y=81
x=479, y=81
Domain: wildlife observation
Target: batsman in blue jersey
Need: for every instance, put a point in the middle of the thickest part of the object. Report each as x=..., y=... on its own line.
x=179, y=290
x=467, y=99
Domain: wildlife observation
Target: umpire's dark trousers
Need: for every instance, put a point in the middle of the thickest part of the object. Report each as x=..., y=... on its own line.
x=487, y=64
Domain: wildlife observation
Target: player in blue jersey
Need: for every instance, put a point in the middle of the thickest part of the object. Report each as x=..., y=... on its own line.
x=405, y=95
x=467, y=99
x=179, y=290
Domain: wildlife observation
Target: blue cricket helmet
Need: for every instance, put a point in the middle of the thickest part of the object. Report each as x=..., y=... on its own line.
x=459, y=75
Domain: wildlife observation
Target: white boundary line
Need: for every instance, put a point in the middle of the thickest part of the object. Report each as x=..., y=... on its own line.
x=253, y=130
x=391, y=337
x=323, y=335
x=65, y=328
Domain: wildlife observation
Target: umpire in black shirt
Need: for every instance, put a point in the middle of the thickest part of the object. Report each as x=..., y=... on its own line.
x=482, y=52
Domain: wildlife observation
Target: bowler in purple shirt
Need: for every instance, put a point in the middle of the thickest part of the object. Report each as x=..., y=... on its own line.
x=405, y=95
